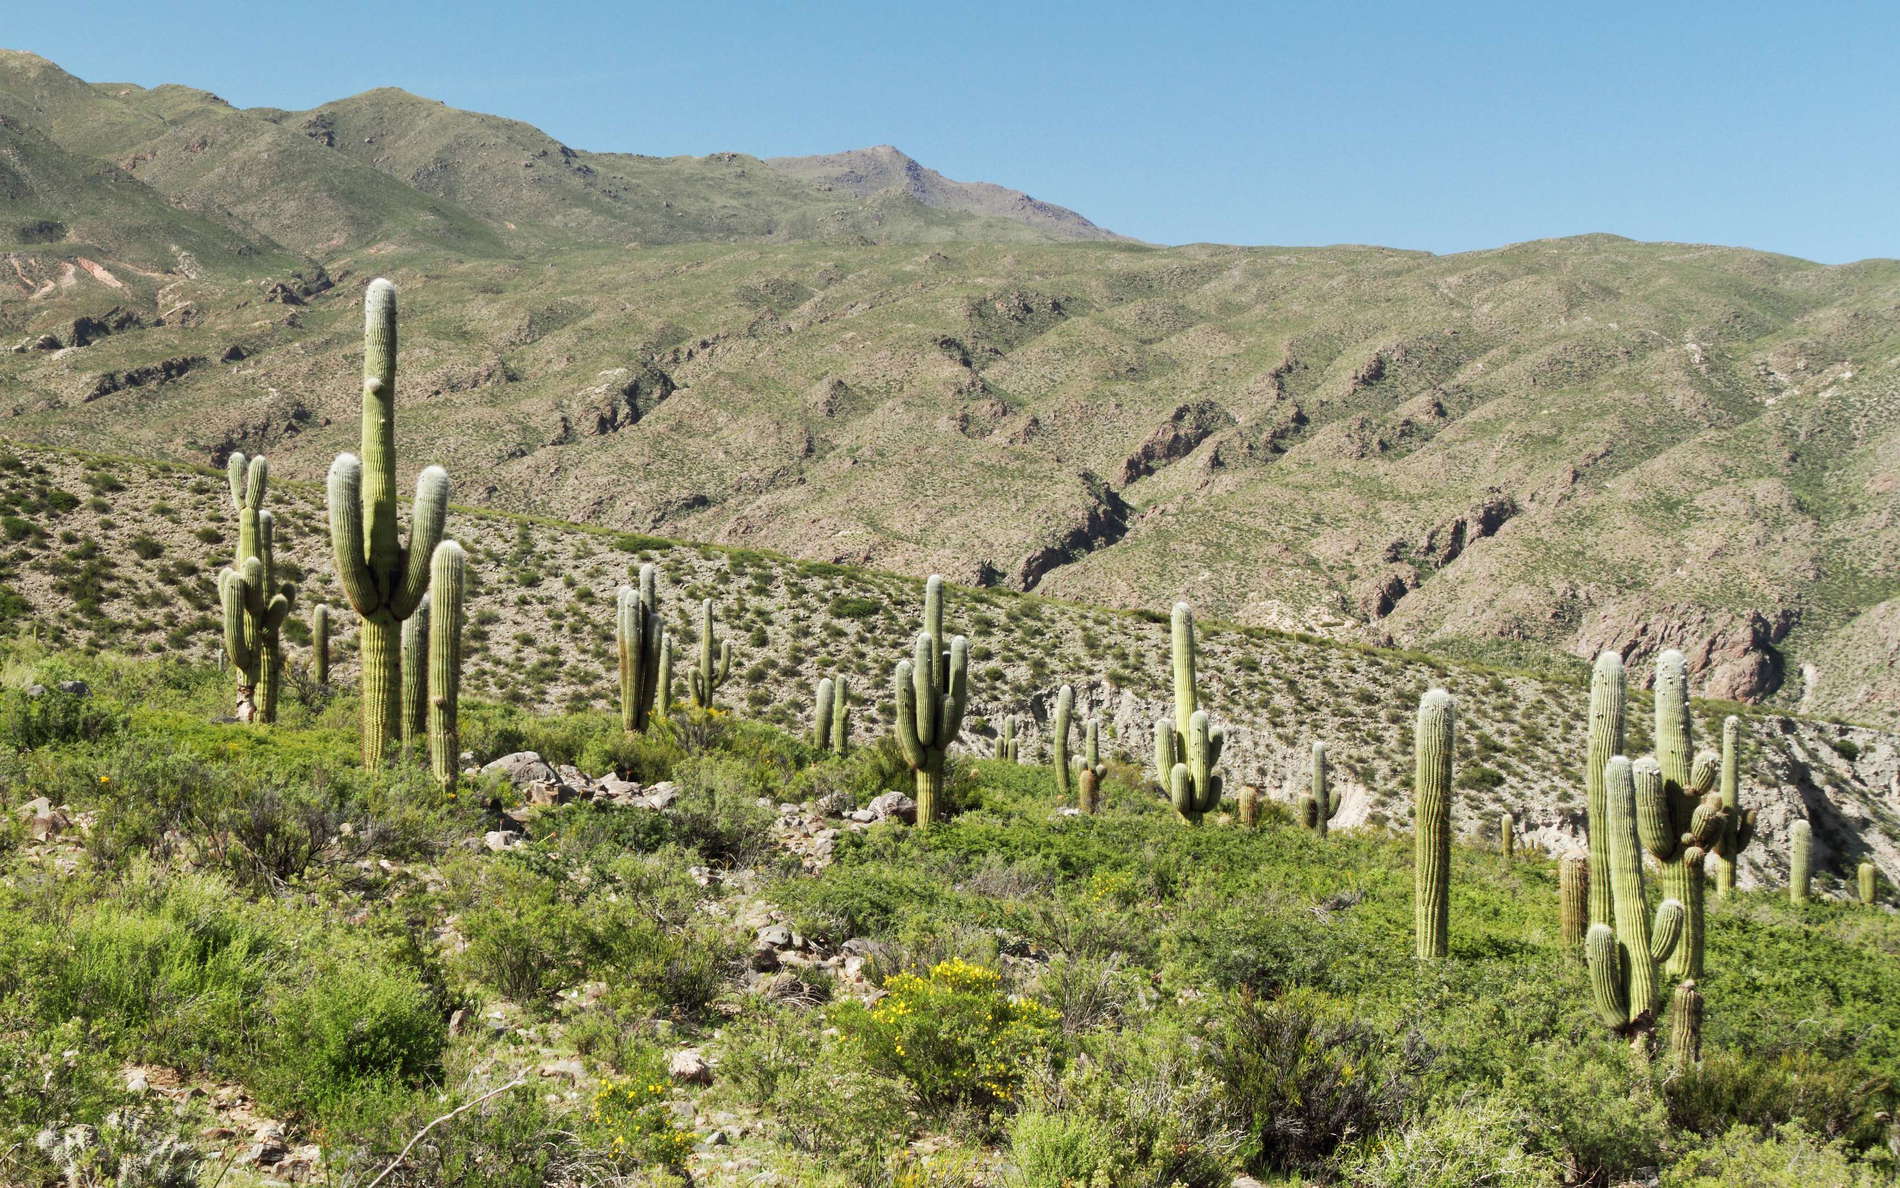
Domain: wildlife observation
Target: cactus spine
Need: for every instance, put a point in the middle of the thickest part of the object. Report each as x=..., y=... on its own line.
x=1685, y=1026
x=1318, y=807
x=414, y=727
x=1800, y=861
x=715, y=661
x=320, y=644
x=1187, y=749
x=448, y=576
x=1059, y=742
x=254, y=604
x=1431, y=792
x=1679, y=816
x=1738, y=827
x=1623, y=958
x=1869, y=880
x=383, y=580
x=1573, y=899
x=1608, y=695
x=639, y=639
x=1094, y=771
x=832, y=714
x=932, y=689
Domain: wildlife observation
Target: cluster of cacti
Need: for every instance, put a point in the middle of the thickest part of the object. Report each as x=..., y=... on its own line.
x=384, y=581
x=1573, y=899
x=448, y=576
x=1431, y=837
x=1006, y=741
x=1800, y=861
x=1188, y=748
x=413, y=704
x=706, y=676
x=1738, y=827
x=931, y=690
x=1059, y=742
x=831, y=723
x=320, y=644
x=1680, y=814
x=1318, y=807
x=254, y=603
x=1623, y=958
x=642, y=646
x=1094, y=771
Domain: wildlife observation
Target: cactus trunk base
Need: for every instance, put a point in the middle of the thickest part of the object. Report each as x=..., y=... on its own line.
x=380, y=644
x=929, y=788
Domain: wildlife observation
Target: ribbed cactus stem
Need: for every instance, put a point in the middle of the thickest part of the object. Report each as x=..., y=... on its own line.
x=1685, y=1026
x=1868, y=879
x=1507, y=835
x=1006, y=739
x=320, y=645
x=254, y=606
x=1318, y=806
x=1059, y=742
x=663, y=680
x=1623, y=974
x=1247, y=805
x=1800, y=861
x=448, y=575
x=840, y=715
x=931, y=690
x=414, y=724
x=715, y=661
x=1671, y=818
x=1737, y=830
x=384, y=581
x=1094, y=771
x=1608, y=695
x=821, y=715
x=1573, y=899
x=1431, y=795
x=638, y=631
x=1188, y=748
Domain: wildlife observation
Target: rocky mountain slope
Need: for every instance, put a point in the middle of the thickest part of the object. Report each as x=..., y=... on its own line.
x=114, y=553
x=1519, y=455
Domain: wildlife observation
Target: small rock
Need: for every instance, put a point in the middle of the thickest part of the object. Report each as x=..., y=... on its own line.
x=716, y=1138
x=764, y=959
x=612, y=787
x=662, y=794
x=894, y=804
x=522, y=767
x=776, y=935
x=501, y=839
x=863, y=816
x=76, y=688
x=548, y=792
x=688, y=1067
x=135, y=1081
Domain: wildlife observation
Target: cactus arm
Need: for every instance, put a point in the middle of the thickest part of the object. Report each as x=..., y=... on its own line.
x=1181, y=792
x=413, y=724
x=1323, y=809
x=231, y=595
x=840, y=715
x=448, y=569
x=425, y=532
x=1059, y=741
x=628, y=655
x=1653, y=825
x=346, y=535
x=234, y=474
x=933, y=627
x=1609, y=983
x=1166, y=753
x=1666, y=932
x=384, y=552
x=1626, y=881
x=904, y=687
x=320, y=644
x=1182, y=646
x=821, y=715
x=1704, y=773
x=957, y=696
x=663, y=678
x=924, y=662
x=1608, y=694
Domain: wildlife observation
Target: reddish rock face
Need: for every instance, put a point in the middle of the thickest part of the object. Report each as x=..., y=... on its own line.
x=1731, y=656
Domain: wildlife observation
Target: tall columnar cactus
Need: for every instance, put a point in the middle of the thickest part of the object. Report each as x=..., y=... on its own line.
x=1738, y=827
x=1608, y=696
x=448, y=576
x=931, y=689
x=1188, y=748
x=413, y=727
x=1623, y=958
x=1094, y=771
x=1868, y=878
x=639, y=639
x=1507, y=834
x=1431, y=794
x=1680, y=815
x=1800, y=861
x=663, y=684
x=1573, y=899
x=1059, y=742
x=384, y=581
x=832, y=715
x=1685, y=1026
x=254, y=603
x=1318, y=807
x=715, y=661
x=1006, y=739
x=320, y=644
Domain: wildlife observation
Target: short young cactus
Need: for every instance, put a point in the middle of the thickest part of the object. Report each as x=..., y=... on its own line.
x=932, y=689
x=1431, y=792
x=1685, y=1026
x=1800, y=861
x=715, y=661
x=254, y=602
x=1507, y=835
x=1319, y=806
x=639, y=641
x=1623, y=959
x=448, y=578
x=1573, y=899
x=1188, y=748
x=1738, y=827
x=1868, y=878
x=384, y=581
x=831, y=715
x=1059, y=742
x=320, y=645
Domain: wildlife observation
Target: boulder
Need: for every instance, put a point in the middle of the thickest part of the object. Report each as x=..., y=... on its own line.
x=688, y=1067
x=893, y=804
x=522, y=767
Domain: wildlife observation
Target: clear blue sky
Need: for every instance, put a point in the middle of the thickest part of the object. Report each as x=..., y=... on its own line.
x=1442, y=126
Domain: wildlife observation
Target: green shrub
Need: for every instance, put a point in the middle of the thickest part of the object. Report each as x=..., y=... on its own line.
x=1455, y=1146
x=1791, y=1157
x=53, y=716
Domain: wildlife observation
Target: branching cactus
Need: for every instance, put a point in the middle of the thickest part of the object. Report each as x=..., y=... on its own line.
x=383, y=580
x=1800, y=861
x=1679, y=815
x=448, y=578
x=1006, y=739
x=254, y=603
x=704, y=679
x=1318, y=807
x=1738, y=827
x=320, y=644
x=1094, y=771
x=832, y=715
x=1059, y=742
x=1623, y=959
x=1573, y=899
x=639, y=640
x=932, y=689
x=413, y=728
x=1431, y=792
x=1608, y=696
x=1685, y=1026
x=1188, y=748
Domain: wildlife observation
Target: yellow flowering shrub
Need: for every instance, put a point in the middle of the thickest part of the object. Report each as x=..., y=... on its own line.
x=952, y=1033
x=629, y=1117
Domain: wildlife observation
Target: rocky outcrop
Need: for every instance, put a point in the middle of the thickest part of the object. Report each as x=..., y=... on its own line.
x=162, y=372
x=1443, y=543
x=1175, y=438
x=1732, y=655
x=1104, y=522
x=620, y=399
